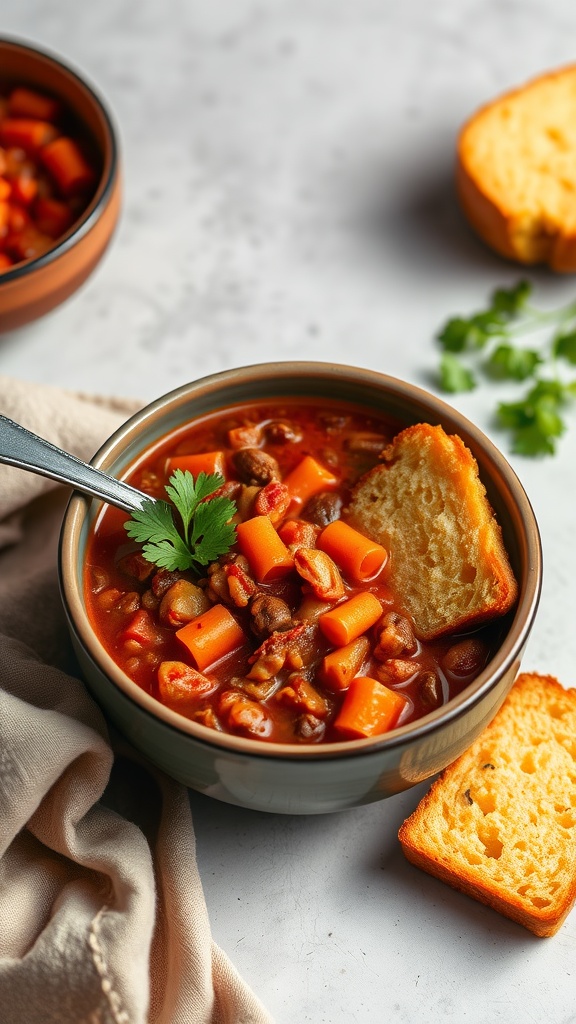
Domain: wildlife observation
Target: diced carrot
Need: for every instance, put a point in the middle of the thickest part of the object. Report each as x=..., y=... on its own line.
x=53, y=217
x=5, y=189
x=339, y=667
x=268, y=556
x=360, y=558
x=27, y=134
x=203, y=462
x=24, y=189
x=24, y=102
x=350, y=619
x=211, y=636
x=308, y=478
x=67, y=164
x=369, y=709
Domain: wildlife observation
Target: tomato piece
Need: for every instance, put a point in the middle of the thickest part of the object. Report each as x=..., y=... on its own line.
x=141, y=628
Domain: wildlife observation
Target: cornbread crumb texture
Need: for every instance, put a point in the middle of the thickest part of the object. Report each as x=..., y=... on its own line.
x=428, y=507
x=516, y=171
x=500, y=823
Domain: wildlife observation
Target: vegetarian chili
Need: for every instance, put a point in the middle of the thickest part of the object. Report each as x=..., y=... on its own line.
x=294, y=634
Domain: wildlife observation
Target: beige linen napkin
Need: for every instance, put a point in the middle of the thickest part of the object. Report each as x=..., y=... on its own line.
x=102, y=915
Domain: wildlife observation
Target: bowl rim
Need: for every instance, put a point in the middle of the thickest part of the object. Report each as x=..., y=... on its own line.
x=505, y=660
x=84, y=224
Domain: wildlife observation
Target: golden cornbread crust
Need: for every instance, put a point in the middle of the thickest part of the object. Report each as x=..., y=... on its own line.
x=499, y=824
x=516, y=171
x=427, y=506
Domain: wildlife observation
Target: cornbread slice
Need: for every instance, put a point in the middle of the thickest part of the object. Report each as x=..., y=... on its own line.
x=428, y=507
x=516, y=171
x=499, y=824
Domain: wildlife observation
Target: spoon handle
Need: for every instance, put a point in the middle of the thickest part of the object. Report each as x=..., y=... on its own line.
x=19, y=447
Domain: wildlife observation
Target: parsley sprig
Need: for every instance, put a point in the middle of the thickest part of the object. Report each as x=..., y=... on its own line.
x=486, y=342
x=204, y=531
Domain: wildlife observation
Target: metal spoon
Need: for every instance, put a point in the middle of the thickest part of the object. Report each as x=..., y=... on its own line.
x=20, y=447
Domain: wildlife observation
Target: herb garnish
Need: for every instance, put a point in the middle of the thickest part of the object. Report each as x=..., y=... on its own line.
x=205, y=528
x=486, y=339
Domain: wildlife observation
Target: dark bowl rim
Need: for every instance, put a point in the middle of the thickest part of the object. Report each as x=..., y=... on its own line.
x=85, y=223
x=514, y=642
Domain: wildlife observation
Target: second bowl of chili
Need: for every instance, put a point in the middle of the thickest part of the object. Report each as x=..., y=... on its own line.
x=59, y=181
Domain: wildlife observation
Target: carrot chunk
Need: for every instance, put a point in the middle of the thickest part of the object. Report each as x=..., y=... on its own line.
x=357, y=556
x=24, y=189
x=24, y=102
x=308, y=478
x=350, y=619
x=203, y=462
x=67, y=164
x=27, y=134
x=211, y=636
x=339, y=667
x=268, y=556
x=369, y=709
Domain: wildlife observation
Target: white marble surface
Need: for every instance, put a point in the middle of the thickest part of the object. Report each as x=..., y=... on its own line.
x=288, y=194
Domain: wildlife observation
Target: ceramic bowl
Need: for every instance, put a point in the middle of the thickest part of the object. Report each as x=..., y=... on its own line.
x=35, y=286
x=303, y=779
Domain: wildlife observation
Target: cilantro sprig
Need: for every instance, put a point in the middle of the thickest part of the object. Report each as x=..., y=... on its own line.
x=204, y=531
x=486, y=343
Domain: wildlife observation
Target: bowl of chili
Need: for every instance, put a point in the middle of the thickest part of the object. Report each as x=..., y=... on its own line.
x=59, y=181
x=242, y=663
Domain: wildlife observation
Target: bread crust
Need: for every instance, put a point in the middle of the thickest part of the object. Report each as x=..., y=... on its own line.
x=466, y=808
x=526, y=230
x=425, y=503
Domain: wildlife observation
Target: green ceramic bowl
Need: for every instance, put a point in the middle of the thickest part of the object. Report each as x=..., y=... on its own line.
x=303, y=778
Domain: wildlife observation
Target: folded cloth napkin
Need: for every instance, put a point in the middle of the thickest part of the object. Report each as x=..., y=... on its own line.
x=102, y=914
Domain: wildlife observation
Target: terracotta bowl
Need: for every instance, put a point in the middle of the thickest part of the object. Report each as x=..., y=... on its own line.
x=35, y=286
x=308, y=778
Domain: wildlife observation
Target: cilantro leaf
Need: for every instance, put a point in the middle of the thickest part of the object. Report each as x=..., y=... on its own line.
x=187, y=492
x=454, y=376
x=511, y=301
x=207, y=530
x=530, y=440
x=508, y=361
x=565, y=347
x=454, y=335
x=153, y=527
x=213, y=534
x=536, y=421
x=487, y=338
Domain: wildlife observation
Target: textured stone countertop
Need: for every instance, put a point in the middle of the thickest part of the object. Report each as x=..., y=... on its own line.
x=288, y=193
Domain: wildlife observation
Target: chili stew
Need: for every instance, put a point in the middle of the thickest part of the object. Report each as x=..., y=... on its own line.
x=294, y=635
